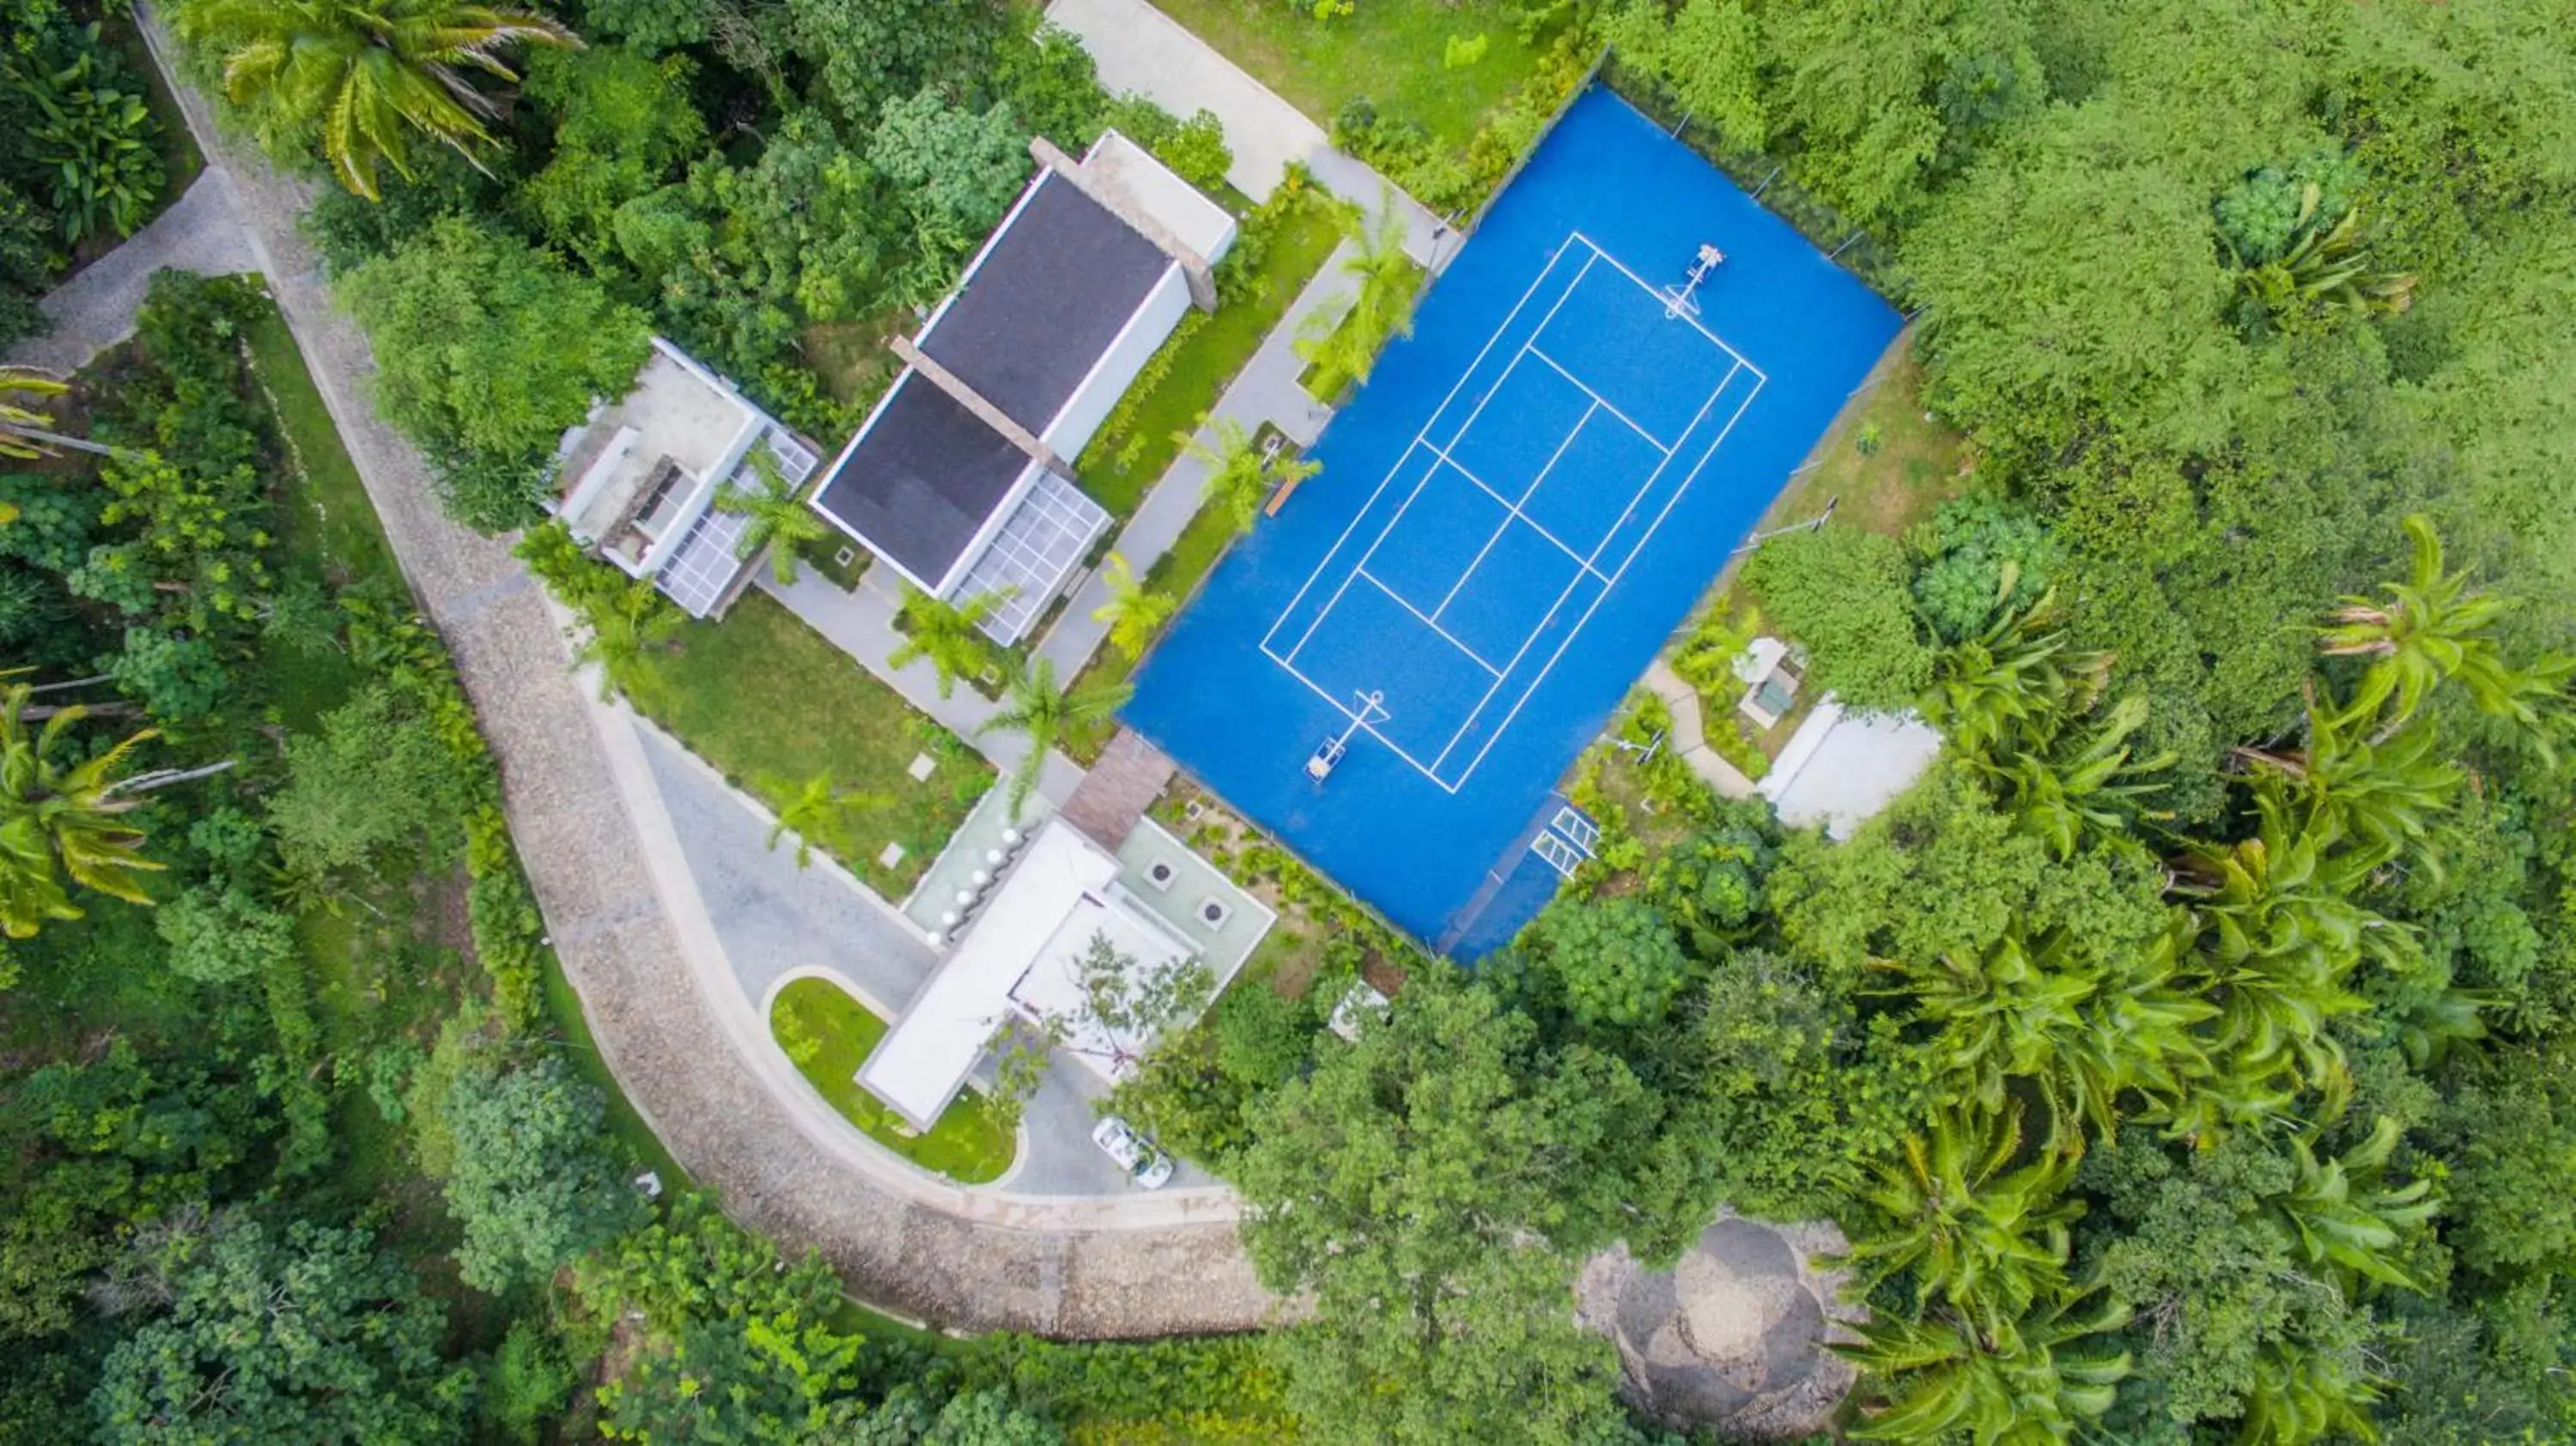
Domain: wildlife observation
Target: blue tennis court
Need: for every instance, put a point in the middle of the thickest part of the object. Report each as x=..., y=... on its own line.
x=1513, y=513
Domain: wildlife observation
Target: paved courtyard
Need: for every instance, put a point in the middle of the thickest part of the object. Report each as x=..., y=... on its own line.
x=775, y=920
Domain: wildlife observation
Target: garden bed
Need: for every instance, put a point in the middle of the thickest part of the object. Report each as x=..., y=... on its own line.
x=1138, y=443
x=827, y=1034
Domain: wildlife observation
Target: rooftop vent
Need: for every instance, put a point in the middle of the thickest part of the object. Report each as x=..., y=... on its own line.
x=1214, y=912
x=1160, y=874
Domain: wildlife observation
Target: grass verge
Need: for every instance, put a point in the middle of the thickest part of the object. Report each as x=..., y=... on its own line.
x=1885, y=464
x=1137, y=444
x=1391, y=52
x=828, y=1034
x=771, y=704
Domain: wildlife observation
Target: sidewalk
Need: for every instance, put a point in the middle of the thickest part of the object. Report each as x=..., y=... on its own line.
x=1138, y=48
x=94, y=310
x=861, y=624
x=1266, y=390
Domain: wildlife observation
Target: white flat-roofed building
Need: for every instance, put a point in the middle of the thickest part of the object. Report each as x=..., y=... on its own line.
x=1018, y=957
x=638, y=480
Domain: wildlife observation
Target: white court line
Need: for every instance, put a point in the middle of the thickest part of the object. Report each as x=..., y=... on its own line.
x=1603, y=402
x=1398, y=598
x=1419, y=438
x=1365, y=553
x=1585, y=564
x=1515, y=513
x=1478, y=410
x=1607, y=583
x=1559, y=454
x=1660, y=300
x=1484, y=551
x=1344, y=709
x=1585, y=621
x=1630, y=510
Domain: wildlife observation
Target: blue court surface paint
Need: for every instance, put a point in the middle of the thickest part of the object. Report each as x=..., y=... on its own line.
x=1514, y=512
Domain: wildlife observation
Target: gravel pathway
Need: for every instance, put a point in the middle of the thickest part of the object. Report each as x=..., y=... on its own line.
x=582, y=810
x=95, y=309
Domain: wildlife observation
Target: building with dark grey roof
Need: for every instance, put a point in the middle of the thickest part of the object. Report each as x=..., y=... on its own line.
x=960, y=478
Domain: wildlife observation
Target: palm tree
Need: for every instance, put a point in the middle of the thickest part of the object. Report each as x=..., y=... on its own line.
x=1042, y=713
x=1241, y=474
x=2339, y=1214
x=2094, y=787
x=1343, y=353
x=2036, y=1383
x=2057, y=1017
x=950, y=638
x=23, y=433
x=1988, y=1240
x=819, y=813
x=1134, y=611
x=366, y=76
x=59, y=822
x=2418, y=633
x=625, y=632
x=779, y=518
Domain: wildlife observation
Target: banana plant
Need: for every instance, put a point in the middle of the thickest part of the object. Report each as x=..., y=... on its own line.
x=2328, y=265
x=2301, y=1395
x=2018, y=677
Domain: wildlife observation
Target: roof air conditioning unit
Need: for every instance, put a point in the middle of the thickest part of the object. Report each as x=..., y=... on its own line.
x=1160, y=874
x=1214, y=913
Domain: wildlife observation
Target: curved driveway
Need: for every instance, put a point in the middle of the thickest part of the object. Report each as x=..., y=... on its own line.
x=600, y=855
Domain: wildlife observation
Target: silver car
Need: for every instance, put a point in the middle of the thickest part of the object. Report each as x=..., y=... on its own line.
x=1148, y=1166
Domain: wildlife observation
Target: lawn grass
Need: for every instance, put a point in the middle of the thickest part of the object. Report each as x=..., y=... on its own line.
x=771, y=704
x=828, y=1034
x=1390, y=52
x=326, y=528
x=1136, y=446
x=1912, y=466
x=850, y=357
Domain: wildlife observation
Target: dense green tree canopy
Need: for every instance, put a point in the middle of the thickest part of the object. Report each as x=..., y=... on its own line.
x=487, y=346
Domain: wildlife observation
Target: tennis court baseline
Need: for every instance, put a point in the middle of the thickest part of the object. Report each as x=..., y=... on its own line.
x=1514, y=512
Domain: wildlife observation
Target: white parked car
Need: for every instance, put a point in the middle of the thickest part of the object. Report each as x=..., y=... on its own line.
x=1145, y=1164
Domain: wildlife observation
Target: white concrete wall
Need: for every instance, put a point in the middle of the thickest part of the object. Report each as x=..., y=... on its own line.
x=1117, y=368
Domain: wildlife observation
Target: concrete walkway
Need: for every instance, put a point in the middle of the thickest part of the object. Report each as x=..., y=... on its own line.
x=1690, y=735
x=1266, y=390
x=95, y=309
x=604, y=858
x=1137, y=48
x=860, y=622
